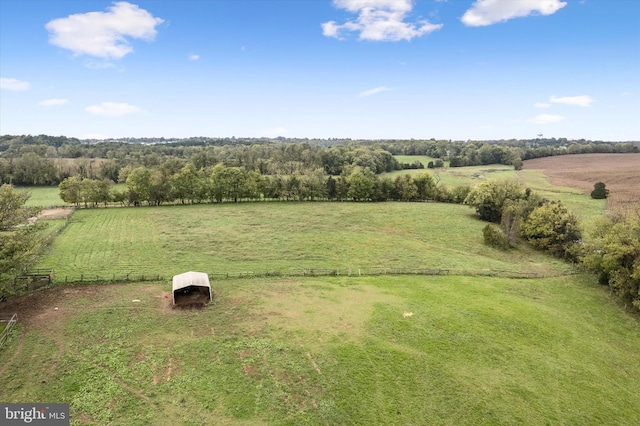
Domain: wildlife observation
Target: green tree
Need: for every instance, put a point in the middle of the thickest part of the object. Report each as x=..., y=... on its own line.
x=229, y=182
x=600, y=191
x=71, y=190
x=613, y=252
x=517, y=164
x=109, y=169
x=495, y=237
x=17, y=241
x=405, y=188
x=186, y=185
x=139, y=184
x=361, y=183
x=552, y=227
x=426, y=186
x=514, y=212
x=490, y=196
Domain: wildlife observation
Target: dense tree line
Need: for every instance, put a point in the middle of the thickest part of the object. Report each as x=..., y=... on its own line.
x=38, y=164
x=220, y=183
x=473, y=153
x=38, y=160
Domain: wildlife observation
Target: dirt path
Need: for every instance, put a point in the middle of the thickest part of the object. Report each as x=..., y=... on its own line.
x=56, y=213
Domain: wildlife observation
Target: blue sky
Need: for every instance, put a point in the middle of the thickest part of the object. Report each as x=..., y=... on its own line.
x=373, y=69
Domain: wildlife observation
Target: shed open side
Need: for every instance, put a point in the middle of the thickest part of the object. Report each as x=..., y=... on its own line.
x=191, y=282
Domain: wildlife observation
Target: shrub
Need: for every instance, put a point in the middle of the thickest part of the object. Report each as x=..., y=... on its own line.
x=599, y=191
x=552, y=227
x=490, y=196
x=495, y=237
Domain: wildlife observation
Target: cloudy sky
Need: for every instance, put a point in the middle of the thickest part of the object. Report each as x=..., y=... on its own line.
x=448, y=69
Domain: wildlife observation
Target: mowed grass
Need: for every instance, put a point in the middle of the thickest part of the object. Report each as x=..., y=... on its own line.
x=43, y=196
x=272, y=236
x=333, y=351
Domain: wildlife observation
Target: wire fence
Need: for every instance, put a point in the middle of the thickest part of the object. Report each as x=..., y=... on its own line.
x=89, y=278
x=8, y=321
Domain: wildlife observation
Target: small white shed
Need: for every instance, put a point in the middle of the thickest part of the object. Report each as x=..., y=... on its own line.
x=191, y=287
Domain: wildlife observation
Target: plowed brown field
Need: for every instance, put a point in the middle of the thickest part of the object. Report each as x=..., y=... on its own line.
x=619, y=172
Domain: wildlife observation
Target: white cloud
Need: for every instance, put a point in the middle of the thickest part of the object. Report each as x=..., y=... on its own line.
x=114, y=109
x=546, y=119
x=378, y=20
x=103, y=34
x=584, y=100
x=53, y=102
x=542, y=105
x=625, y=93
x=374, y=91
x=488, y=12
x=194, y=57
x=14, y=84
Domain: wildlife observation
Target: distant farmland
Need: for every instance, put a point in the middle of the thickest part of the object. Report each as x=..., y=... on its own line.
x=620, y=172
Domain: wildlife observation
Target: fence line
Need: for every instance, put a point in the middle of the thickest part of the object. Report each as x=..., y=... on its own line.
x=305, y=272
x=30, y=278
x=10, y=323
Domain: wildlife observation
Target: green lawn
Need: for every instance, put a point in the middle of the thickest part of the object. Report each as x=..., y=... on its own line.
x=43, y=196
x=334, y=351
x=271, y=236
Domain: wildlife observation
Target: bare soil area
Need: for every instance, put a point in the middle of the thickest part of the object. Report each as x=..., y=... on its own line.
x=57, y=213
x=39, y=309
x=619, y=172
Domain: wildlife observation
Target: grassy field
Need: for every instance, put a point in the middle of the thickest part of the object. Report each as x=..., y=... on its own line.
x=43, y=196
x=436, y=350
x=408, y=159
x=270, y=236
x=331, y=351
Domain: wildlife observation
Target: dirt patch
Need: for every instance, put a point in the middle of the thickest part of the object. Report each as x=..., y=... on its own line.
x=57, y=213
x=620, y=172
x=194, y=301
x=38, y=309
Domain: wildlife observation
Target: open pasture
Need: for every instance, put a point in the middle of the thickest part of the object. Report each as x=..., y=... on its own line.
x=262, y=237
x=330, y=351
x=456, y=176
x=43, y=196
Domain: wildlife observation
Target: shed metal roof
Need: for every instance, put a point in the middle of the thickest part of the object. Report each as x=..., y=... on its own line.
x=191, y=278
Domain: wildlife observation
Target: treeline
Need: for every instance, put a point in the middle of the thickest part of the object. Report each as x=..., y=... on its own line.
x=611, y=249
x=507, y=152
x=48, y=160
x=217, y=184
x=36, y=166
